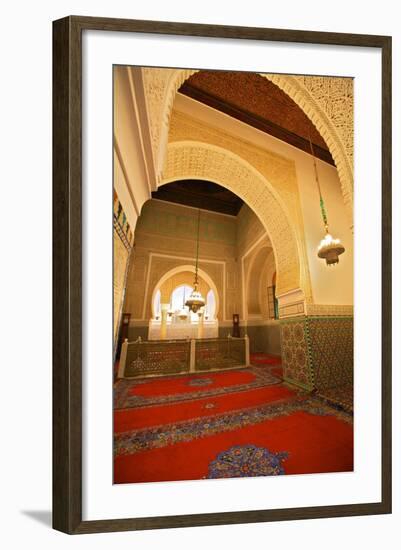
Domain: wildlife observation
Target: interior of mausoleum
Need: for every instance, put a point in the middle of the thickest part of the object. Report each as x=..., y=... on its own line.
x=233, y=272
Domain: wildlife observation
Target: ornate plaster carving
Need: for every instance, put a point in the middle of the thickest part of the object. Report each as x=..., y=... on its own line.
x=278, y=170
x=191, y=159
x=328, y=102
x=160, y=87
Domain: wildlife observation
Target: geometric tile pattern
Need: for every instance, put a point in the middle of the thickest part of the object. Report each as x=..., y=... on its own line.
x=295, y=352
x=317, y=352
x=332, y=351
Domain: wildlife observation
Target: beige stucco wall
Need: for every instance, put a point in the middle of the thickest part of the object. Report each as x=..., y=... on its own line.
x=275, y=199
x=165, y=240
x=331, y=285
x=249, y=230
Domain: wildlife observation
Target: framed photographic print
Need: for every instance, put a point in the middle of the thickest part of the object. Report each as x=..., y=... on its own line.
x=222, y=274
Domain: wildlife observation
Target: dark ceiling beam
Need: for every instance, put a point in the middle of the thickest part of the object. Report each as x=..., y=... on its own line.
x=197, y=200
x=257, y=122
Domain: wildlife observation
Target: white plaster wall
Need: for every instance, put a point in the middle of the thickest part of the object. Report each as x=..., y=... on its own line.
x=330, y=284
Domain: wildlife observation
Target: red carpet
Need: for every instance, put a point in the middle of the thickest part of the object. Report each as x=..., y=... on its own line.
x=173, y=429
x=133, y=393
x=302, y=435
x=265, y=359
x=181, y=384
x=130, y=419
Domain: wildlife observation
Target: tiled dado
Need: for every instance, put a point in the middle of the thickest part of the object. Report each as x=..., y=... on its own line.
x=295, y=352
x=317, y=352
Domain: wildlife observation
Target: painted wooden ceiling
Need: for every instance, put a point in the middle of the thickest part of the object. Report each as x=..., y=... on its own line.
x=255, y=100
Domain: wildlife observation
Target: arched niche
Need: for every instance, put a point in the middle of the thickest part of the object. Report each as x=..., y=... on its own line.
x=196, y=160
x=179, y=279
x=182, y=278
x=188, y=269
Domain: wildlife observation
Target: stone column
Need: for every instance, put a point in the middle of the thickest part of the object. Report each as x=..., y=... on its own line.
x=163, y=328
x=200, y=324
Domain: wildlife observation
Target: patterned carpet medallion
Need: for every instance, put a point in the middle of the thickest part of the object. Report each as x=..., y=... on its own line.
x=169, y=434
x=246, y=461
x=124, y=398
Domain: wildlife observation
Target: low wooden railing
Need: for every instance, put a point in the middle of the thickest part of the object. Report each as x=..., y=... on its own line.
x=164, y=357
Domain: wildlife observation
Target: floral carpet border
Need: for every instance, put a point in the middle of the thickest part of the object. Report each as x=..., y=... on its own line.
x=122, y=399
x=169, y=434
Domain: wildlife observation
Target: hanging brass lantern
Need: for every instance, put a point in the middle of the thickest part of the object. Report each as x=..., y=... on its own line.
x=196, y=300
x=329, y=248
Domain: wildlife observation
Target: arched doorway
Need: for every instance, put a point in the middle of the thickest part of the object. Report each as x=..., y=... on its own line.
x=171, y=319
x=196, y=160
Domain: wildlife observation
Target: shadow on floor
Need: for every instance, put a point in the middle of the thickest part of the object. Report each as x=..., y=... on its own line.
x=41, y=516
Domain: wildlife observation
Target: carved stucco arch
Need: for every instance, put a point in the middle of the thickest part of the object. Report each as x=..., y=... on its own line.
x=293, y=87
x=196, y=160
x=188, y=268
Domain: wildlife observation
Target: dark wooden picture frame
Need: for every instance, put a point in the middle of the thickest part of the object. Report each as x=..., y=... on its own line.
x=67, y=275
